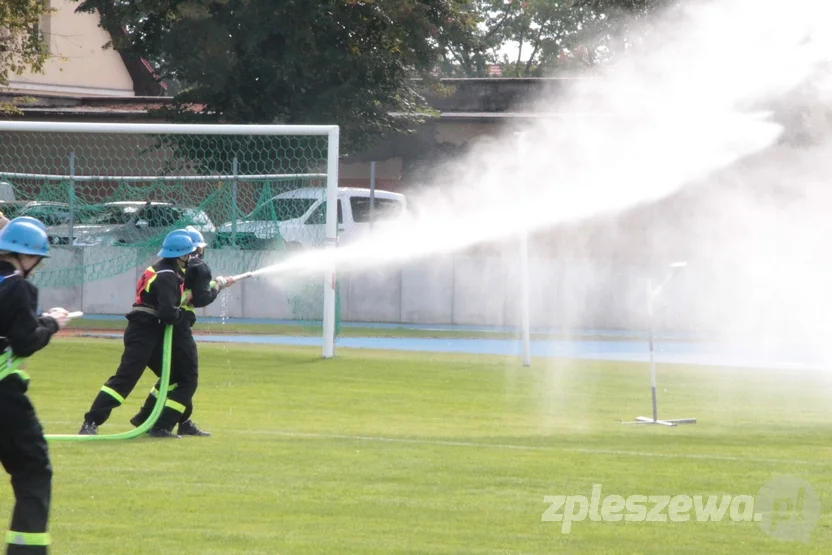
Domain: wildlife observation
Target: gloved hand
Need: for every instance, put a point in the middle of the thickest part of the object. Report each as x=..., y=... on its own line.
x=223, y=282
x=60, y=315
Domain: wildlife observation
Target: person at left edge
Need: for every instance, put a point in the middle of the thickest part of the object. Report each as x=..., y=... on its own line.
x=23, y=449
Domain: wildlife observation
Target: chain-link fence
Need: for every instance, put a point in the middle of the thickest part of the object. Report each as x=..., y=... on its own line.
x=109, y=198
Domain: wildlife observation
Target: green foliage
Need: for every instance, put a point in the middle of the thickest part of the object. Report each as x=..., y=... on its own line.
x=549, y=35
x=22, y=46
x=348, y=62
x=622, y=24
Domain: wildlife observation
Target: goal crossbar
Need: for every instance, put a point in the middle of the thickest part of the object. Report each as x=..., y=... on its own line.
x=79, y=178
x=165, y=128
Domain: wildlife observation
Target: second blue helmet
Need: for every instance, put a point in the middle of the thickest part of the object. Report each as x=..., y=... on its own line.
x=177, y=243
x=196, y=237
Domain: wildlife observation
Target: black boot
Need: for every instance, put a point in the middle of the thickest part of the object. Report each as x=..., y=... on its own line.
x=161, y=432
x=88, y=429
x=146, y=410
x=189, y=428
x=139, y=419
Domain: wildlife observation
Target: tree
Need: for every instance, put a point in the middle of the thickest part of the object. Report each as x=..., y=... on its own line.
x=349, y=62
x=471, y=58
x=549, y=35
x=22, y=46
x=620, y=24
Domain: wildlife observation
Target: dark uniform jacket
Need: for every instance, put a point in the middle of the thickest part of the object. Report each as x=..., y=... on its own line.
x=21, y=329
x=198, y=281
x=160, y=289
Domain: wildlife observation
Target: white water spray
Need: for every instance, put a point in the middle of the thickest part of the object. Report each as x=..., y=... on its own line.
x=672, y=112
x=689, y=102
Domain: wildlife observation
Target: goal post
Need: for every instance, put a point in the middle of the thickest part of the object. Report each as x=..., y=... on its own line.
x=332, y=242
x=109, y=192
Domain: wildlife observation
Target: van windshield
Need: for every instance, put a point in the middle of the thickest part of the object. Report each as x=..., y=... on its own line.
x=282, y=209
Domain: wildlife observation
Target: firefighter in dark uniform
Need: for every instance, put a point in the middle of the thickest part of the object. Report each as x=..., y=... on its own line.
x=23, y=450
x=204, y=291
x=159, y=294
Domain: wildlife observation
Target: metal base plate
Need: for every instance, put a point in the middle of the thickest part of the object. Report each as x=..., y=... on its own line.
x=674, y=422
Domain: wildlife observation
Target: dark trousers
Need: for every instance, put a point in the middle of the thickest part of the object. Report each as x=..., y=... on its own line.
x=143, y=344
x=25, y=456
x=184, y=376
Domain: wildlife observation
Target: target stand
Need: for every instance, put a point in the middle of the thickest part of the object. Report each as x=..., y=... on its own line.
x=651, y=294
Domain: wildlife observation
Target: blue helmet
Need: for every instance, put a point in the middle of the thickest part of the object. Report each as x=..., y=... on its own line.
x=177, y=243
x=23, y=236
x=196, y=237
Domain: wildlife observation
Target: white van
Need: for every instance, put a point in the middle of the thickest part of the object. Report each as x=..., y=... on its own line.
x=6, y=191
x=299, y=216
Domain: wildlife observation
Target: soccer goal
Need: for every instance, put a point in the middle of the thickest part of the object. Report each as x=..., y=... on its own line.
x=109, y=193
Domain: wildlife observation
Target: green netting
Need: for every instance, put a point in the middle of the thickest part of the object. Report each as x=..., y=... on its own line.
x=109, y=199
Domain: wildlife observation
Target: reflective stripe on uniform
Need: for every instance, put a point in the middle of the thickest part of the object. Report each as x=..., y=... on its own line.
x=183, y=304
x=178, y=407
x=10, y=365
x=113, y=393
x=27, y=538
x=151, y=280
x=7, y=372
x=155, y=392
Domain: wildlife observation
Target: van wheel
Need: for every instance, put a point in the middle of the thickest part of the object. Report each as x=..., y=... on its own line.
x=293, y=246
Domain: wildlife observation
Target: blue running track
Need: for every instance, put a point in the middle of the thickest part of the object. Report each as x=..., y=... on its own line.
x=619, y=346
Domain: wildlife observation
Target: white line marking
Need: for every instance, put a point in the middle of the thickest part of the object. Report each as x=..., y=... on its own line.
x=529, y=447
x=616, y=452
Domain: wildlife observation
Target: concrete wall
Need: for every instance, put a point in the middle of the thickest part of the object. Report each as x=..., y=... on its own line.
x=451, y=289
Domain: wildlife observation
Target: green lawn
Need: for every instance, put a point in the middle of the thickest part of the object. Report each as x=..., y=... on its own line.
x=299, y=330
x=379, y=452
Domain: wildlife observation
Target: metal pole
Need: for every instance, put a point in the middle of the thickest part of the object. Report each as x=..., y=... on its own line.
x=524, y=278
x=525, y=318
x=651, y=296
x=332, y=242
x=71, y=193
x=372, y=192
x=652, y=358
x=235, y=173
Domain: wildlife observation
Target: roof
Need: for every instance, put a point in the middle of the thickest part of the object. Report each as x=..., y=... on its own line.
x=146, y=81
x=93, y=108
x=485, y=100
x=144, y=108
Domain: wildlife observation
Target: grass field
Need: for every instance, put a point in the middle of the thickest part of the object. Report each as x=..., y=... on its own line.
x=380, y=452
x=295, y=330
